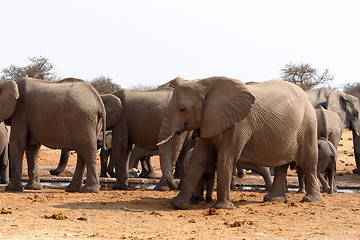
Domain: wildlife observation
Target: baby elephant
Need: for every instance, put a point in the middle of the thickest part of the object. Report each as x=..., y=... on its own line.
x=327, y=164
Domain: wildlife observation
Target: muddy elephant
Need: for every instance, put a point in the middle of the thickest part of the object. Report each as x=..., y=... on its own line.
x=36, y=110
x=346, y=107
x=4, y=154
x=330, y=127
x=266, y=124
x=327, y=164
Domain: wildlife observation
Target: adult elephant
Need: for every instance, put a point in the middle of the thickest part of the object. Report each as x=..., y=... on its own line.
x=346, y=107
x=139, y=124
x=266, y=124
x=36, y=111
x=4, y=155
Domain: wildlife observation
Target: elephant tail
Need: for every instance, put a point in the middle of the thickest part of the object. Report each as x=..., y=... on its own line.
x=103, y=117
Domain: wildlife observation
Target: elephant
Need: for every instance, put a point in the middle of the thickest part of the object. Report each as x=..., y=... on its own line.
x=346, y=107
x=35, y=110
x=207, y=180
x=265, y=124
x=105, y=154
x=4, y=154
x=327, y=164
x=139, y=124
x=330, y=127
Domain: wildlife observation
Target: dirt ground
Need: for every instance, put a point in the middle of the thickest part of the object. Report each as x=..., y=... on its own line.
x=52, y=213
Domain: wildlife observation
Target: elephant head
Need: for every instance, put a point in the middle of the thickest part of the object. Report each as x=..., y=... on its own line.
x=209, y=105
x=347, y=108
x=114, y=109
x=9, y=95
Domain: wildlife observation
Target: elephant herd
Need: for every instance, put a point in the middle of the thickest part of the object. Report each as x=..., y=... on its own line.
x=225, y=122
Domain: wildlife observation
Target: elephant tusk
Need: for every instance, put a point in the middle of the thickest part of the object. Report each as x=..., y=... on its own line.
x=166, y=140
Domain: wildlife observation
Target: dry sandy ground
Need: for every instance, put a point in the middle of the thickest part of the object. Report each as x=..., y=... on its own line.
x=147, y=214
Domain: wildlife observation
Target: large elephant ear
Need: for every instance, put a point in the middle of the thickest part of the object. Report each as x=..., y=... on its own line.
x=114, y=109
x=9, y=95
x=228, y=101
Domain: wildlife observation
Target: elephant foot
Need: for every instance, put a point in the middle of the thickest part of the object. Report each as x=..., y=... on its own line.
x=112, y=174
x=180, y=203
x=314, y=197
x=223, y=204
x=5, y=181
x=103, y=175
x=269, y=197
x=73, y=188
x=356, y=171
x=331, y=191
x=14, y=187
x=90, y=189
x=120, y=186
x=34, y=186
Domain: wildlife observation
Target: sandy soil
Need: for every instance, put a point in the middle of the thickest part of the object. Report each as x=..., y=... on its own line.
x=52, y=213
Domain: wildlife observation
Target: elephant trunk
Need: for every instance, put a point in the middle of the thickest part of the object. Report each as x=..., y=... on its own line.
x=356, y=140
x=167, y=149
x=62, y=164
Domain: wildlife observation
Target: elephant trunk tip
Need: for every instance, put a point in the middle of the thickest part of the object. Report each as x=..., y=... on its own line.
x=165, y=140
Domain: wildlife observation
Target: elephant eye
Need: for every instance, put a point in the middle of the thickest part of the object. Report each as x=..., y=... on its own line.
x=182, y=109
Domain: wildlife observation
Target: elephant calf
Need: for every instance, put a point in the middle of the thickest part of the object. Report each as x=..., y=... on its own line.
x=327, y=164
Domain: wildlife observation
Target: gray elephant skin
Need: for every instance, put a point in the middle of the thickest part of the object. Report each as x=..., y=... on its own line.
x=327, y=164
x=233, y=120
x=4, y=154
x=36, y=111
x=138, y=122
x=330, y=127
x=346, y=107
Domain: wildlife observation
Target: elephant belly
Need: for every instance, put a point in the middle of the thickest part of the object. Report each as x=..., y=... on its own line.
x=268, y=155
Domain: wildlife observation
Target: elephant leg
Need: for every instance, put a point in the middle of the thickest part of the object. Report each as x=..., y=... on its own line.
x=225, y=167
x=144, y=167
x=4, y=168
x=64, y=158
x=265, y=173
x=200, y=159
x=301, y=179
x=278, y=189
x=111, y=165
x=92, y=179
x=78, y=178
x=198, y=194
x=103, y=162
x=120, y=153
x=210, y=187
x=311, y=183
x=331, y=175
x=356, y=141
x=32, y=155
x=151, y=171
x=324, y=183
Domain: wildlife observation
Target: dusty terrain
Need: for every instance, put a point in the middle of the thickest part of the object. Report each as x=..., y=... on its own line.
x=52, y=213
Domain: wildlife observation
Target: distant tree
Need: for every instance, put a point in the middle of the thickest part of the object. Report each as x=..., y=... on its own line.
x=353, y=89
x=104, y=85
x=304, y=75
x=143, y=87
x=39, y=68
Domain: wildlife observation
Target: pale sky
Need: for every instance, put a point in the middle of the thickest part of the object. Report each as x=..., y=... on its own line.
x=150, y=42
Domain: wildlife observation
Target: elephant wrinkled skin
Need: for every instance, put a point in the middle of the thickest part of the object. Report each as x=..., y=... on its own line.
x=266, y=124
x=37, y=112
